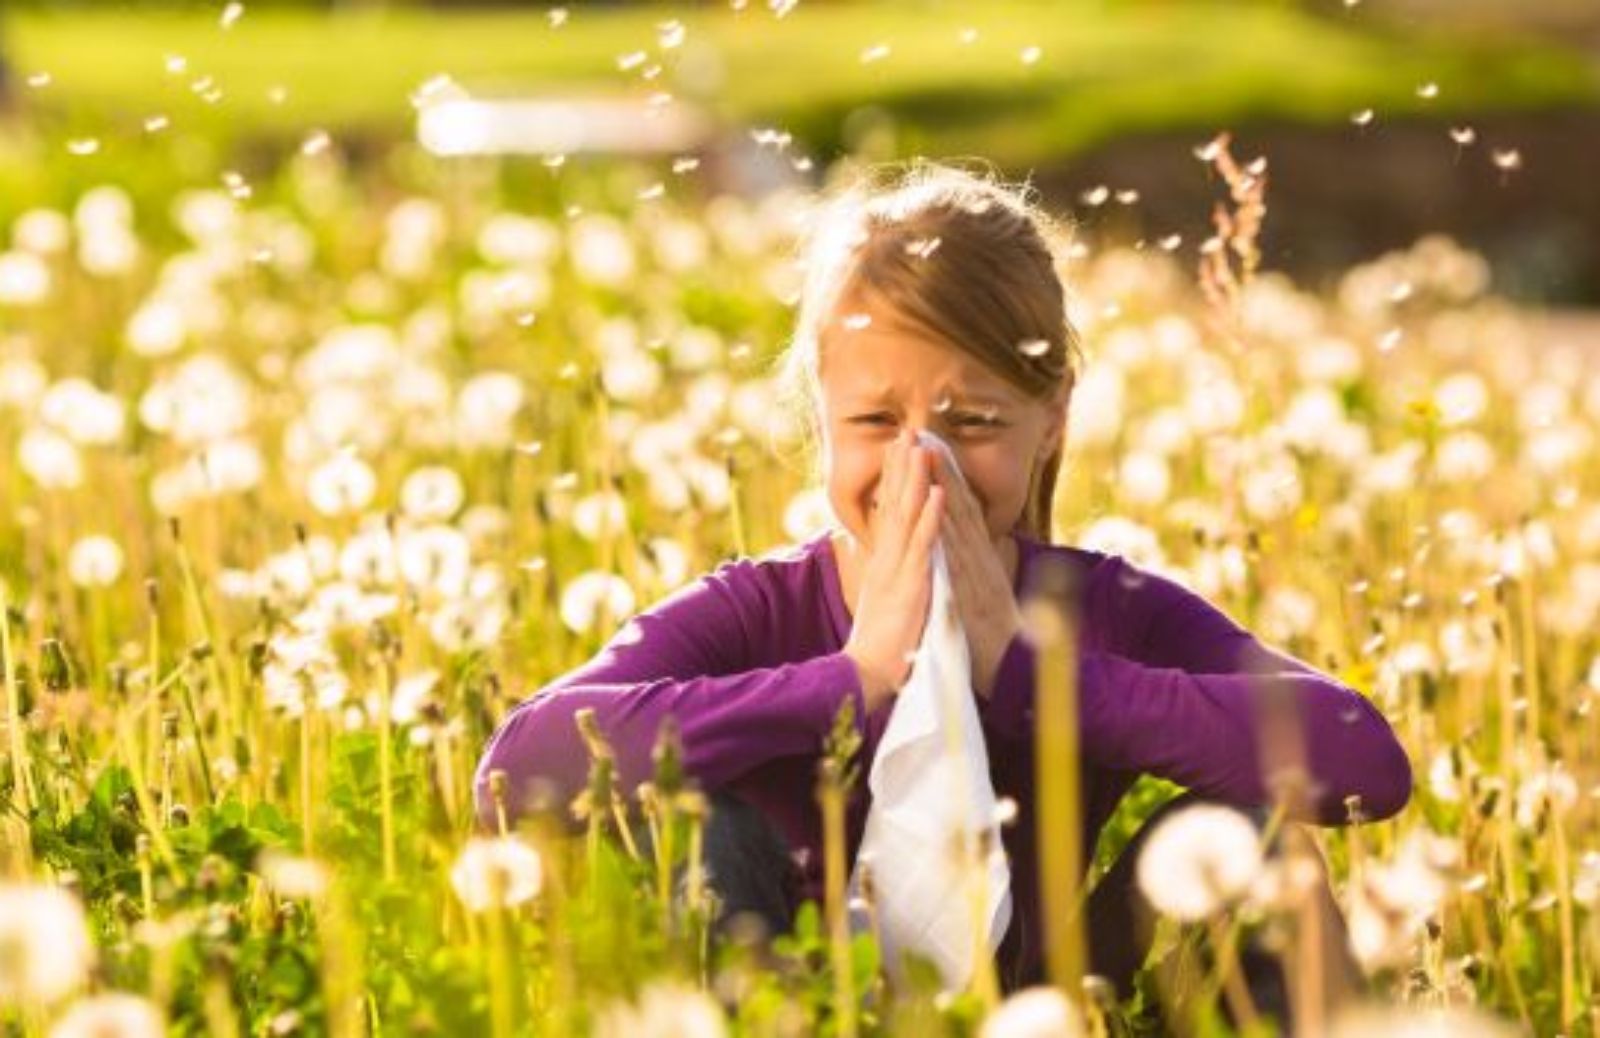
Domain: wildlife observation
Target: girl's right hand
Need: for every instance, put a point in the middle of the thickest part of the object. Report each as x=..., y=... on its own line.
x=897, y=578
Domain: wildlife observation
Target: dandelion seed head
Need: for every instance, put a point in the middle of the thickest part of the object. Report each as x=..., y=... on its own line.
x=497, y=872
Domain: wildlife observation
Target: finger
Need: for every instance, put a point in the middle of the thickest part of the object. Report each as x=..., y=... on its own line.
x=926, y=531
x=888, y=492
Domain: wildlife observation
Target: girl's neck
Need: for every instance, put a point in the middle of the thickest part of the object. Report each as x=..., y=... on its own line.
x=849, y=558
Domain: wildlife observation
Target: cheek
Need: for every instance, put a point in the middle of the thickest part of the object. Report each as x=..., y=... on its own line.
x=851, y=474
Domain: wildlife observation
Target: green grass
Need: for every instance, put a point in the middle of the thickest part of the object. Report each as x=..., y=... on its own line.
x=1105, y=68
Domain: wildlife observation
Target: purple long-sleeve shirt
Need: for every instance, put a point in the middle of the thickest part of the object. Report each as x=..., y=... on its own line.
x=749, y=660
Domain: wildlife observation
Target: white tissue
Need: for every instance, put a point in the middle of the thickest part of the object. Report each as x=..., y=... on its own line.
x=932, y=801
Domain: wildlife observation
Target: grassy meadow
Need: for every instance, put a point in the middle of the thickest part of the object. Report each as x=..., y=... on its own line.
x=311, y=473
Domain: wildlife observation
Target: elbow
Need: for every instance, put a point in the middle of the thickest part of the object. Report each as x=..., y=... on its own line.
x=1388, y=789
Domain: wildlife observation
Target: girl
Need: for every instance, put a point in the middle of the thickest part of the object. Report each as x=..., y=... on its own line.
x=932, y=302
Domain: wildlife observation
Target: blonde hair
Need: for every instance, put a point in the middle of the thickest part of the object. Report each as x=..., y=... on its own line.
x=959, y=253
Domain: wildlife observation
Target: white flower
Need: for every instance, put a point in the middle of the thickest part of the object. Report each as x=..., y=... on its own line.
x=1198, y=859
x=1037, y=1012
x=436, y=559
x=588, y=595
x=113, y=1015
x=411, y=693
x=1115, y=535
x=1272, y=487
x=24, y=279
x=1095, y=419
x=808, y=514
x=50, y=459
x=1461, y=399
x=292, y=875
x=631, y=377
x=432, y=494
x=460, y=624
x=341, y=485
x=669, y=559
x=1288, y=613
x=511, y=239
x=1408, y=1022
x=45, y=952
x=486, y=410
x=600, y=250
x=23, y=381
x=157, y=328
x=44, y=231
x=665, y=1009
x=1463, y=457
x=94, y=561
x=496, y=872
x=1143, y=479
x=603, y=513
x=82, y=412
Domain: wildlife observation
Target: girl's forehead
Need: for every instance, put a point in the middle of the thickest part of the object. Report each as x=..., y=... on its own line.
x=888, y=363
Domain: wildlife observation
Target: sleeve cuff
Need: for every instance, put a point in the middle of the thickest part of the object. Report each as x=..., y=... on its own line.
x=842, y=681
x=1009, y=709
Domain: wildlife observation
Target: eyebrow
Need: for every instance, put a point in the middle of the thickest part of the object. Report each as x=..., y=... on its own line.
x=958, y=398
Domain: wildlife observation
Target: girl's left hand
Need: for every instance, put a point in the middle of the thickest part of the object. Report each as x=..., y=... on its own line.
x=978, y=578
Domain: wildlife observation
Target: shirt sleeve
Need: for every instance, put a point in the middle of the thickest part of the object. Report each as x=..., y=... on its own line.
x=685, y=658
x=1189, y=696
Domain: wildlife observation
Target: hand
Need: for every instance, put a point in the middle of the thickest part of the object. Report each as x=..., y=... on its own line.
x=979, y=580
x=897, y=577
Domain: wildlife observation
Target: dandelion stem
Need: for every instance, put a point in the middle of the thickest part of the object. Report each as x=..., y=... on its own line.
x=1056, y=766
x=21, y=773
x=386, y=768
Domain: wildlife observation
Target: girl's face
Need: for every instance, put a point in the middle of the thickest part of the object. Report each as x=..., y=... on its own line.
x=883, y=373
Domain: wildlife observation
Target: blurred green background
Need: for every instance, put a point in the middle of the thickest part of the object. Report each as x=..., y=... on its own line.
x=1353, y=103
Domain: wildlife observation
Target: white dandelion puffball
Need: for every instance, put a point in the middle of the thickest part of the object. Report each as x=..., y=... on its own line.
x=292, y=875
x=50, y=459
x=94, y=561
x=1406, y=1022
x=502, y=871
x=603, y=513
x=808, y=514
x=112, y=1015
x=24, y=279
x=45, y=952
x=1198, y=859
x=601, y=251
x=1036, y=1012
x=665, y=1009
x=341, y=485
x=432, y=493
x=587, y=594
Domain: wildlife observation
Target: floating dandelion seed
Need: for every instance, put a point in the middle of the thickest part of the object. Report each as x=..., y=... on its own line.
x=277, y=94
x=1402, y=291
x=39, y=80
x=856, y=322
x=534, y=564
x=175, y=64
x=1209, y=151
x=658, y=100
x=1031, y=55
x=1170, y=243
x=631, y=60
x=670, y=34
x=968, y=36
x=1363, y=117
x=1389, y=340
x=554, y=161
x=1507, y=160
x=653, y=192
x=1127, y=196
x=526, y=319
x=922, y=248
x=685, y=165
x=1257, y=166
x=530, y=448
x=156, y=123
x=1463, y=135
x=943, y=404
x=770, y=135
x=1095, y=195
x=231, y=15
x=781, y=8
x=802, y=164
x=237, y=186
x=83, y=146
x=1034, y=347
x=317, y=143
x=876, y=52
x=1428, y=91
x=558, y=17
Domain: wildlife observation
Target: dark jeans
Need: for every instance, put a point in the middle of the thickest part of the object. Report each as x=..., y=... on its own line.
x=749, y=869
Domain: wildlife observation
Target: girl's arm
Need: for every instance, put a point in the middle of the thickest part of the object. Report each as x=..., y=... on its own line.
x=1186, y=697
x=686, y=658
